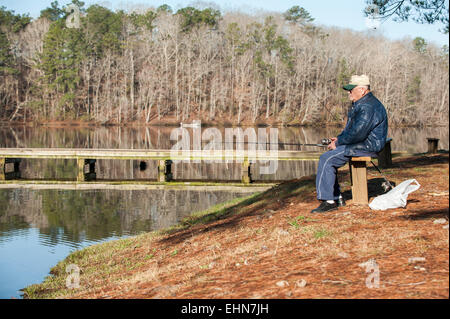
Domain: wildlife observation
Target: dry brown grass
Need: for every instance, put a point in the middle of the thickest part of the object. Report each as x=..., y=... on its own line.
x=279, y=250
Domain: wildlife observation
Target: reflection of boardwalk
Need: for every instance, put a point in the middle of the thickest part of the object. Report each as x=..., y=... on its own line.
x=129, y=185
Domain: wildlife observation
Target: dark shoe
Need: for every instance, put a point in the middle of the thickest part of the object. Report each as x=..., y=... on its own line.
x=325, y=207
x=340, y=202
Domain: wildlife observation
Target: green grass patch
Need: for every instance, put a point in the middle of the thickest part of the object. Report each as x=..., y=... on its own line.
x=321, y=233
x=300, y=220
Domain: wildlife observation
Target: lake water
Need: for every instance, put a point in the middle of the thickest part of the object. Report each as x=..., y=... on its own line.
x=39, y=227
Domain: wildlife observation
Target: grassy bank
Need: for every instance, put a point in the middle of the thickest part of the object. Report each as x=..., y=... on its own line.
x=268, y=245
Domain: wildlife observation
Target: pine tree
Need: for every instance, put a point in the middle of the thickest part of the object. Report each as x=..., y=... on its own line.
x=62, y=54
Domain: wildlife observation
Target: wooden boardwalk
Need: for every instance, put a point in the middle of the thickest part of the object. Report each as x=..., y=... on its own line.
x=86, y=159
x=139, y=154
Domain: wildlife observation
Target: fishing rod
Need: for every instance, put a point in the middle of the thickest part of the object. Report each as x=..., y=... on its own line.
x=324, y=142
x=386, y=184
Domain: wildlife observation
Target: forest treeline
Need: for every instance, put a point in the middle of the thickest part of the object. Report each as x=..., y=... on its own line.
x=155, y=65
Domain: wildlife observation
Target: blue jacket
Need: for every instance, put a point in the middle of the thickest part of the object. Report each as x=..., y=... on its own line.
x=366, y=129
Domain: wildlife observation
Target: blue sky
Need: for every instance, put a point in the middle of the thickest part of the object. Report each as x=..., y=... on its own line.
x=339, y=13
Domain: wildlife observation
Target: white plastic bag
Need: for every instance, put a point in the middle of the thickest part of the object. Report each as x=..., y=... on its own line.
x=396, y=197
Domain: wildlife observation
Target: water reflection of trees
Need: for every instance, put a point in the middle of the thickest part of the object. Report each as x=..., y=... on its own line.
x=76, y=216
x=159, y=137
x=414, y=140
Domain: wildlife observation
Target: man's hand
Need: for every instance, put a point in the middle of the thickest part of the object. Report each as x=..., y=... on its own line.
x=332, y=145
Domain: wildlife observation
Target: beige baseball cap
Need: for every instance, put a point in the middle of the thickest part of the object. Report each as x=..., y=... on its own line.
x=357, y=80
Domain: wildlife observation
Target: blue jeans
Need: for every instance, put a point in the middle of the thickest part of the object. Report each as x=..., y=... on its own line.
x=327, y=185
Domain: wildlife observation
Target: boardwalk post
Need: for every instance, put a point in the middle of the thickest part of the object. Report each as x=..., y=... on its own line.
x=9, y=175
x=161, y=171
x=2, y=168
x=90, y=175
x=432, y=145
x=246, y=174
x=164, y=171
x=80, y=165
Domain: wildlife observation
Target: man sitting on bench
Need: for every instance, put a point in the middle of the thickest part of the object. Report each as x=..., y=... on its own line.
x=364, y=135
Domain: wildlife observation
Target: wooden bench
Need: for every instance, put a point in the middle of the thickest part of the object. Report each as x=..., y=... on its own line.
x=358, y=178
x=358, y=172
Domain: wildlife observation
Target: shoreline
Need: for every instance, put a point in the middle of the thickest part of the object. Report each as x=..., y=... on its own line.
x=93, y=124
x=82, y=124
x=268, y=245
